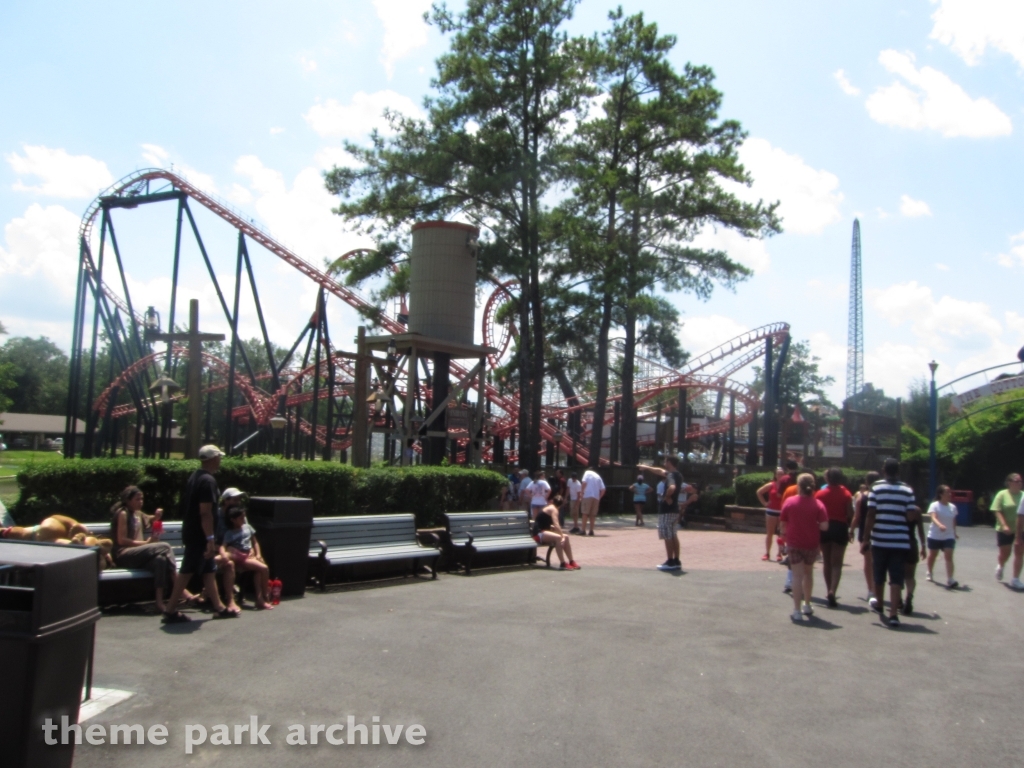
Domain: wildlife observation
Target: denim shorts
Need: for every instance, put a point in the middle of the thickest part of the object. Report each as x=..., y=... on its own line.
x=936, y=544
x=1004, y=539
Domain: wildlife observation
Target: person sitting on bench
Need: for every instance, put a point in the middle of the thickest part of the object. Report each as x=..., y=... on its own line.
x=50, y=529
x=547, y=532
x=132, y=549
x=240, y=546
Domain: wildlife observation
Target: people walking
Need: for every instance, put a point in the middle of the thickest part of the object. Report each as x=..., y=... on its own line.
x=838, y=504
x=593, y=491
x=524, y=491
x=803, y=519
x=770, y=498
x=575, y=489
x=942, y=533
x=918, y=552
x=1004, y=508
x=860, y=517
x=668, y=510
x=639, y=489
x=547, y=532
x=891, y=511
x=540, y=491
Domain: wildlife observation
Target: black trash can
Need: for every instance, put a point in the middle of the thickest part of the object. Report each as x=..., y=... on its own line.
x=48, y=615
x=283, y=526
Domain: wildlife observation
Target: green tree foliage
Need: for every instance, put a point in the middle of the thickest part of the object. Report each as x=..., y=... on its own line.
x=871, y=400
x=503, y=93
x=39, y=370
x=646, y=175
x=801, y=382
x=7, y=382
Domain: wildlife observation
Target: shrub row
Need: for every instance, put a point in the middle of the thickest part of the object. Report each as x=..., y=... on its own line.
x=746, y=485
x=85, y=489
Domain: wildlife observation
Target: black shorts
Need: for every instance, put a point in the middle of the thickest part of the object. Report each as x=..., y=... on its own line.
x=1004, y=539
x=195, y=561
x=937, y=544
x=837, y=533
x=889, y=562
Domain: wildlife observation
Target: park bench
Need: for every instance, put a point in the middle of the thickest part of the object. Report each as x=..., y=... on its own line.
x=358, y=540
x=131, y=585
x=468, y=534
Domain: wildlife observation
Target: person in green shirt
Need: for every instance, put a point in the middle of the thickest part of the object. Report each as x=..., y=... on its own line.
x=1004, y=507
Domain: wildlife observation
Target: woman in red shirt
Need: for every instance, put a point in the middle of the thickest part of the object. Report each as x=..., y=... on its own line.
x=839, y=505
x=771, y=499
x=803, y=518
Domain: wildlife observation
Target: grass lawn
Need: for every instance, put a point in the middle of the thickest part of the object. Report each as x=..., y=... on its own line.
x=10, y=463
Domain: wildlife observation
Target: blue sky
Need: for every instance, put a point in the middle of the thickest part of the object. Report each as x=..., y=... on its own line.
x=907, y=114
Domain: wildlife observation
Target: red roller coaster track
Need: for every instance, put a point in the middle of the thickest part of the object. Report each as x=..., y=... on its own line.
x=735, y=353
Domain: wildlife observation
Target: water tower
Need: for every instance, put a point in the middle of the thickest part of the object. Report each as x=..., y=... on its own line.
x=442, y=318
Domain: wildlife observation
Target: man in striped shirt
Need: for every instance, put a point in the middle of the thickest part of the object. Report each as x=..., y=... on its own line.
x=891, y=511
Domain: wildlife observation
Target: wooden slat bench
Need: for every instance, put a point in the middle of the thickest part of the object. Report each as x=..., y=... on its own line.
x=367, y=539
x=133, y=585
x=468, y=534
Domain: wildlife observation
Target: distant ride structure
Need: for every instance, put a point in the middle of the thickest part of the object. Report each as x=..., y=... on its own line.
x=855, y=324
x=409, y=384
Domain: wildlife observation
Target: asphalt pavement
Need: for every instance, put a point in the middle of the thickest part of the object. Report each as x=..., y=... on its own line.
x=607, y=666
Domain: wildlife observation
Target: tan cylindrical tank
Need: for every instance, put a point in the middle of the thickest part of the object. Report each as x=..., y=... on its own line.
x=442, y=280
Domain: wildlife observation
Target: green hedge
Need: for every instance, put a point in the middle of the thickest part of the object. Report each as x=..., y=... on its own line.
x=713, y=503
x=747, y=485
x=86, y=488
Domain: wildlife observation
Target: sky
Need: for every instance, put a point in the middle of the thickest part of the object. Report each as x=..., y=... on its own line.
x=905, y=114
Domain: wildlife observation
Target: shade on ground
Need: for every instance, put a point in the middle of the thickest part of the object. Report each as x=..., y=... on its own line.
x=608, y=666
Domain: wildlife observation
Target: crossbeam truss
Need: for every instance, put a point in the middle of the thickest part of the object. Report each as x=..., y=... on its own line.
x=314, y=397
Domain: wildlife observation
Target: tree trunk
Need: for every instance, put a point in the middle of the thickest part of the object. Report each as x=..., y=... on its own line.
x=525, y=370
x=601, y=397
x=627, y=431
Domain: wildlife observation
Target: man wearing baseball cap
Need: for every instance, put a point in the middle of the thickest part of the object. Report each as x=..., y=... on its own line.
x=199, y=537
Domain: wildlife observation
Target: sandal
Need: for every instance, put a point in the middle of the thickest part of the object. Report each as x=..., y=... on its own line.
x=175, y=618
x=226, y=613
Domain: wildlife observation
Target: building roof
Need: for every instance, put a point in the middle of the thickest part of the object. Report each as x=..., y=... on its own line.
x=35, y=423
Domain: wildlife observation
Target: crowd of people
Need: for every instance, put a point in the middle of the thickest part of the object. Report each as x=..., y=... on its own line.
x=808, y=524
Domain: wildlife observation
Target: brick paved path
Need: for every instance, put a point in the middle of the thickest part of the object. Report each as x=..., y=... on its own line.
x=617, y=543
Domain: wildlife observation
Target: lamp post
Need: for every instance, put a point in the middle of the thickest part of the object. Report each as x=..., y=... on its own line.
x=933, y=418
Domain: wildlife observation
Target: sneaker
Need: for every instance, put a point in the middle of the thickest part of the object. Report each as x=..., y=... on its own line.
x=908, y=606
x=874, y=605
x=796, y=616
x=806, y=609
x=894, y=622
x=666, y=566
x=832, y=602
x=677, y=565
x=573, y=565
x=953, y=584
x=999, y=572
x=928, y=576
x=590, y=534
x=1017, y=584
x=778, y=558
x=574, y=529
x=787, y=590
x=765, y=557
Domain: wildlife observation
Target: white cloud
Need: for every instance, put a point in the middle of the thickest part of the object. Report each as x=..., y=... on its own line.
x=300, y=216
x=912, y=208
x=941, y=267
x=60, y=174
x=701, y=334
x=940, y=324
x=159, y=157
x=809, y=198
x=329, y=157
x=357, y=118
x=44, y=241
x=1016, y=254
x=308, y=65
x=969, y=27
x=848, y=88
x=749, y=252
x=404, y=29
x=155, y=155
x=933, y=102
x=276, y=131
x=239, y=195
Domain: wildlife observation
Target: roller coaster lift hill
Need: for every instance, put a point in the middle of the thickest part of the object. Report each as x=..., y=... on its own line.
x=422, y=383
